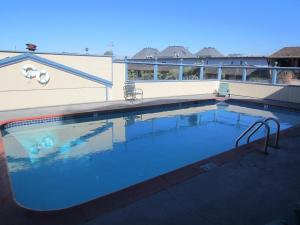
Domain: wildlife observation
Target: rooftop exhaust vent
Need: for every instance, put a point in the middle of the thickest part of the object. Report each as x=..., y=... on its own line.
x=31, y=47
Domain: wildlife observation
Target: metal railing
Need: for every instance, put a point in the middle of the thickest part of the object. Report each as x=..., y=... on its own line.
x=159, y=71
x=261, y=123
x=276, y=144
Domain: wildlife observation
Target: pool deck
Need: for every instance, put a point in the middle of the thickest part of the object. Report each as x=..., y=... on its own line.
x=111, y=105
x=99, y=106
x=252, y=189
x=242, y=187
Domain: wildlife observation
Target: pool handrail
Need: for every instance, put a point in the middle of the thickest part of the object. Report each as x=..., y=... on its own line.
x=250, y=128
x=276, y=145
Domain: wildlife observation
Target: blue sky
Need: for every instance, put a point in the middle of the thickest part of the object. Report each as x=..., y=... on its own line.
x=255, y=27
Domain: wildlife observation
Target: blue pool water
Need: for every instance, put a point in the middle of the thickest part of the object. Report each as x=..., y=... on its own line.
x=65, y=163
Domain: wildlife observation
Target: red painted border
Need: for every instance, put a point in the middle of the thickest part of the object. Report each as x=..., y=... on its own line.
x=4, y=122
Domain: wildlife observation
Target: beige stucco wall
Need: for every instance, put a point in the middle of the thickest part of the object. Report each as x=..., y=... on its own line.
x=176, y=88
x=18, y=92
x=154, y=89
x=280, y=93
x=95, y=65
x=116, y=92
x=100, y=66
x=8, y=54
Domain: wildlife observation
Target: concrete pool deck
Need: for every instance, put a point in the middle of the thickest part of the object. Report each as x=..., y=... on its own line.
x=251, y=188
x=95, y=106
x=111, y=105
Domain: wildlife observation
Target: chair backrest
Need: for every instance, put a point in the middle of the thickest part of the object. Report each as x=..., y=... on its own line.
x=223, y=87
x=129, y=87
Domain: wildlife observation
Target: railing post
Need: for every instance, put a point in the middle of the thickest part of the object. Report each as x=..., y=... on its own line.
x=244, y=75
x=181, y=70
x=274, y=74
x=155, y=70
x=202, y=72
x=220, y=72
x=126, y=68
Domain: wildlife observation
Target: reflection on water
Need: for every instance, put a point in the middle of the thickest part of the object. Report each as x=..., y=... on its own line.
x=95, y=157
x=47, y=142
x=56, y=142
x=84, y=138
x=74, y=140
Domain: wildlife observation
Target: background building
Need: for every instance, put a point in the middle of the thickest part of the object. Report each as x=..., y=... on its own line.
x=286, y=57
x=207, y=56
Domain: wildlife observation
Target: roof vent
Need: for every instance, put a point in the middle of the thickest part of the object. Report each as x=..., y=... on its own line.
x=31, y=47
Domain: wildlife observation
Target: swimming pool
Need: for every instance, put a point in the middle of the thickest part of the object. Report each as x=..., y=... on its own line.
x=62, y=163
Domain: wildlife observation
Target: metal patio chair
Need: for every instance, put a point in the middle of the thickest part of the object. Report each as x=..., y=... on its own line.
x=131, y=92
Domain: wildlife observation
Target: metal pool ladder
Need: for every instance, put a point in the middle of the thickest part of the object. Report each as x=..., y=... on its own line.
x=261, y=123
